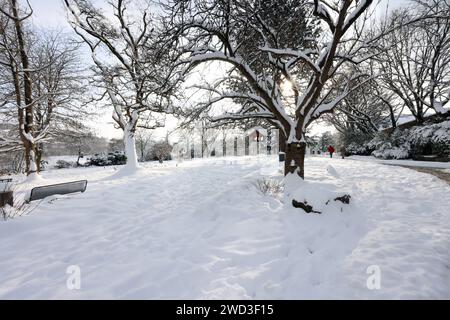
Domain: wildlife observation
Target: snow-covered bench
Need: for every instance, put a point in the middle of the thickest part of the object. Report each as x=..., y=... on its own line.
x=61, y=188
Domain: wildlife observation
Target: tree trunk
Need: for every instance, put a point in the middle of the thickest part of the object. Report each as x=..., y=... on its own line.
x=39, y=152
x=247, y=145
x=420, y=117
x=224, y=147
x=392, y=117
x=420, y=114
x=281, y=141
x=33, y=172
x=203, y=146
x=79, y=157
x=27, y=126
x=130, y=149
x=295, y=159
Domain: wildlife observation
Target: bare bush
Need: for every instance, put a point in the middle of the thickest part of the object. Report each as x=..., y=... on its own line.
x=11, y=207
x=269, y=186
x=17, y=210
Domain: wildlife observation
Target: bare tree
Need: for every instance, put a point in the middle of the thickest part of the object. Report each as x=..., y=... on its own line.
x=59, y=89
x=416, y=68
x=161, y=150
x=224, y=131
x=131, y=69
x=208, y=136
x=15, y=58
x=41, y=85
x=294, y=85
x=143, y=142
x=364, y=111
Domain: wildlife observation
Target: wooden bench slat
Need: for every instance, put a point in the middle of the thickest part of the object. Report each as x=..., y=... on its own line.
x=42, y=192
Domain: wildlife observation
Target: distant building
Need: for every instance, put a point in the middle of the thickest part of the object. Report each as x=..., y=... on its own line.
x=232, y=142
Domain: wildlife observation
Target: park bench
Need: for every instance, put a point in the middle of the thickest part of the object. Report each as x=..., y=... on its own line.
x=6, y=180
x=42, y=192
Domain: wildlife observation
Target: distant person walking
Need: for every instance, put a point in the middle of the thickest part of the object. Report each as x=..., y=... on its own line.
x=343, y=152
x=331, y=150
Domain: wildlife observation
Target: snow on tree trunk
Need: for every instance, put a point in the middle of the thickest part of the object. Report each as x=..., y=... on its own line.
x=130, y=149
x=295, y=159
x=31, y=166
x=33, y=173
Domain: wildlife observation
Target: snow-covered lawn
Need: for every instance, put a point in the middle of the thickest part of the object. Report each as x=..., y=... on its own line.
x=202, y=230
x=412, y=163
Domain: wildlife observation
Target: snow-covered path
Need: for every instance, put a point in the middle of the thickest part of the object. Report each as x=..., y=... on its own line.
x=202, y=230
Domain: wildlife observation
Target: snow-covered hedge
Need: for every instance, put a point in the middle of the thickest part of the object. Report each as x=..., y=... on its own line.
x=394, y=146
x=404, y=144
x=392, y=152
x=110, y=159
x=357, y=149
x=63, y=164
x=435, y=137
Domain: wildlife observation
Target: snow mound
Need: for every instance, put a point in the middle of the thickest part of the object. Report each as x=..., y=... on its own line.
x=332, y=171
x=34, y=178
x=320, y=195
x=124, y=172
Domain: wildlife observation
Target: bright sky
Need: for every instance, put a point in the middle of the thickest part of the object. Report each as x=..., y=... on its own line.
x=50, y=14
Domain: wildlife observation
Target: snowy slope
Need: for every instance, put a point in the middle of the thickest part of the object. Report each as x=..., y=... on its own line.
x=201, y=230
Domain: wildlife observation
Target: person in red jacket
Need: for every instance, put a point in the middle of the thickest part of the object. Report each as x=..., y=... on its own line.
x=331, y=151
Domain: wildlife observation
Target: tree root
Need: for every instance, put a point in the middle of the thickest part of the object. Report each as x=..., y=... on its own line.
x=305, y=206
x=345, y=199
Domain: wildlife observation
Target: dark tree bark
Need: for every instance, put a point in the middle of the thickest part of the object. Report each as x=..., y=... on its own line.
x=295, y=159
x=281, y=142
x=247, y=145
x=224, y=147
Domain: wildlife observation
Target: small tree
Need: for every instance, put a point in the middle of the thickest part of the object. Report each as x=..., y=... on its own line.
x=162, y=150
x=143, y=143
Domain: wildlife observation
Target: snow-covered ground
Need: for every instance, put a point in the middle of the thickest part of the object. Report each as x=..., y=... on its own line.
x=202, y=230
x=412, y=163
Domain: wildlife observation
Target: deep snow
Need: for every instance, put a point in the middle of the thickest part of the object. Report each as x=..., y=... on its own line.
x=201, y=230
